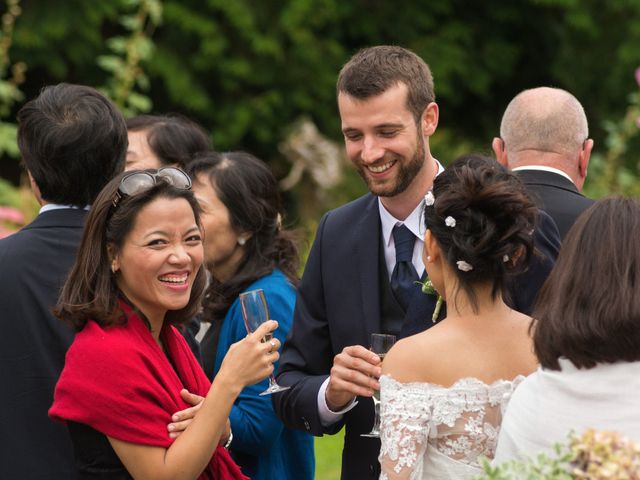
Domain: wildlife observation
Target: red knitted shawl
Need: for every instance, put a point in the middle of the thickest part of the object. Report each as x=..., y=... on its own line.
x=118, y=381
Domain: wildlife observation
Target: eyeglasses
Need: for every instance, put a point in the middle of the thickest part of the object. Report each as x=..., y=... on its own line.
x=138, y=182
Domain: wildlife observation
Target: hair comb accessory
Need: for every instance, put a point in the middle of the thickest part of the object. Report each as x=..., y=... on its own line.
x=464, y=266
x=450, y=221
x=429, y=199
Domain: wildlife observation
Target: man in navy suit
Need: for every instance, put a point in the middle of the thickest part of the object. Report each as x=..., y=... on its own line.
x=388, y=112
x=544, y=139
x=73, y=140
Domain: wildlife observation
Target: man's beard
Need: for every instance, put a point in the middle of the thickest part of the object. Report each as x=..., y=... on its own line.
x=406, y=174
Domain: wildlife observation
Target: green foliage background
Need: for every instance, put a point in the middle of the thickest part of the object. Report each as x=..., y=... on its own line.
x=247, y=70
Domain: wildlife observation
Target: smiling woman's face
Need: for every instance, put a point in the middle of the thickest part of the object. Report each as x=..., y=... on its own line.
x=160, y=257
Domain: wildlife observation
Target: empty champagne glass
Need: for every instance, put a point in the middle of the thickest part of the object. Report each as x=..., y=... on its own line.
x=380, y=345
x=255, y=312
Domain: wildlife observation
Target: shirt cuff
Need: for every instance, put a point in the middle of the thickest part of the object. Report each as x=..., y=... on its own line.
x=327, y=416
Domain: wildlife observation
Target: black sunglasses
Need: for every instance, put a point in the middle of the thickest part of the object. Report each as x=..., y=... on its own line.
x=138, y=182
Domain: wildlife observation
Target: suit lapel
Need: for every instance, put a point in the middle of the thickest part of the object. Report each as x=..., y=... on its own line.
x=367, y=234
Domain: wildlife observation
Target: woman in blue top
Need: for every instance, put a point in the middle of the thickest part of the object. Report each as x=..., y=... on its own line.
x=246, y=248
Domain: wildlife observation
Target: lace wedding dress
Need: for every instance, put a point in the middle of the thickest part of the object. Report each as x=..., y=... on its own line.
x=433, y=432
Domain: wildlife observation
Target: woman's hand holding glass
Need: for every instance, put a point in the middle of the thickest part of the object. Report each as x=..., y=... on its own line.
x=251, y=360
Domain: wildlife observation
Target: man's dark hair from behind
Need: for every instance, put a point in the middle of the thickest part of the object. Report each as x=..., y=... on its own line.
x=73, y=140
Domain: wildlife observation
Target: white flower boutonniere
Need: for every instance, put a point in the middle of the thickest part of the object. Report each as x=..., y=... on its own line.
x=428, y=289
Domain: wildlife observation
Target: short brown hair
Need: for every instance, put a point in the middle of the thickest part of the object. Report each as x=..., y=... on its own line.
x=589, y=308
x=374, y=70
x=91, y=292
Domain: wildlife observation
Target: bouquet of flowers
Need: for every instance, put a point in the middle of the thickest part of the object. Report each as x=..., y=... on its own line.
x=594, y=455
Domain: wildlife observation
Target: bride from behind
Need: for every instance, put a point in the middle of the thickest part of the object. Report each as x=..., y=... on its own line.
x=443, y=391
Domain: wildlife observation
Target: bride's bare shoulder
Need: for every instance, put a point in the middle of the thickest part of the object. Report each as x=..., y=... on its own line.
x=410, y=358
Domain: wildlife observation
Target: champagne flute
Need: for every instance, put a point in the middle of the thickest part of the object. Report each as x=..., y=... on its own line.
x=255, y=312
x=380, y=345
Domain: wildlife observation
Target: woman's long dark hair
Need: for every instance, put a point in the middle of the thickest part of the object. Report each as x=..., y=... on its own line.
x=248, y=189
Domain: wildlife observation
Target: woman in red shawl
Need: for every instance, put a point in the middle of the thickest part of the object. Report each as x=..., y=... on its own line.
x=138, y=273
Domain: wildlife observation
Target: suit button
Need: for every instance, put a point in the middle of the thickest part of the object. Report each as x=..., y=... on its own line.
x=372, y=471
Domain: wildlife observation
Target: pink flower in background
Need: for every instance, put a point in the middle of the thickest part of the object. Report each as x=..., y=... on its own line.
x=12, y=215
x=10, y=221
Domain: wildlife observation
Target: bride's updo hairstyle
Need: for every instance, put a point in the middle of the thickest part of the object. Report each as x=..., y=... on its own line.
x=483, y=220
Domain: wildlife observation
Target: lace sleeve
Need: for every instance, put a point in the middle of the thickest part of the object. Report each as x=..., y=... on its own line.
x=405, y=414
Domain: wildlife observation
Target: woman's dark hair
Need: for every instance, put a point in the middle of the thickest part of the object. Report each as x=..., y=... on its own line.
x=90, y=291
x=175, y=139
x=494, y=220
x=248, y=189
x=588, y=310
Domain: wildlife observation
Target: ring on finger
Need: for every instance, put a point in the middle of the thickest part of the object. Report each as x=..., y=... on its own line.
x=272, y=344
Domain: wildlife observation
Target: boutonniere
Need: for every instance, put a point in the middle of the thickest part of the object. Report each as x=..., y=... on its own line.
x=428, y=289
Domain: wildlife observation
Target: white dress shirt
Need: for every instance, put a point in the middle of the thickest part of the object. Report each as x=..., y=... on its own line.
x=542, y=168
x=47, y=207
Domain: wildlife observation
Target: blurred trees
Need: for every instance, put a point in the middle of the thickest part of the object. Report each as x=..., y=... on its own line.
x=249, y=71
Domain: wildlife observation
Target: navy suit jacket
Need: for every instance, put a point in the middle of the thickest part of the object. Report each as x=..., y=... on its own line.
x=338, y=305
x=556, y=195
x=34, y=263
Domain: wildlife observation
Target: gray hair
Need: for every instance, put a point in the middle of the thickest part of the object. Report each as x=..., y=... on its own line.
x=546, y=119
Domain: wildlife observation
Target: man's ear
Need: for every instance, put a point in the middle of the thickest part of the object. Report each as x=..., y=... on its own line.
x=585, y=155
x=501, y=153
x=429, y=119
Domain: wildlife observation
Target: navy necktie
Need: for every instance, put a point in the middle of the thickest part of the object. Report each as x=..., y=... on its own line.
x=404, y=276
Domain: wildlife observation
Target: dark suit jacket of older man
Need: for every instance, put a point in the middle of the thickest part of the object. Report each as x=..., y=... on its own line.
x=34, y=263
x=556, y=195
x=338, y=305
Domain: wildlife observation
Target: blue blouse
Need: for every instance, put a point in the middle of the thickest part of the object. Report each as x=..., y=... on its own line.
x=263, y=447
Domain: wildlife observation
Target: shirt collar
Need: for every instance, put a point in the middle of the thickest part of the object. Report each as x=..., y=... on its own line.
x=542, y=168
x=414, y=222
x=55, y=206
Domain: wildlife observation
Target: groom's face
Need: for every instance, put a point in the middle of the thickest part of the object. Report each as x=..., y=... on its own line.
x=383, y=140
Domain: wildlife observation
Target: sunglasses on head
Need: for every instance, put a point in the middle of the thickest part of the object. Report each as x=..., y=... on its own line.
x=138, y=182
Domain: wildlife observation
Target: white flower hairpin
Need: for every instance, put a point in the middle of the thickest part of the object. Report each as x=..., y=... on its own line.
x=429, y=199
x=450, y=221
x=464, y=266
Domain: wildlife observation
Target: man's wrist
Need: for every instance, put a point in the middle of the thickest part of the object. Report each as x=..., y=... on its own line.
x=327, y=416
x=333, y=407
